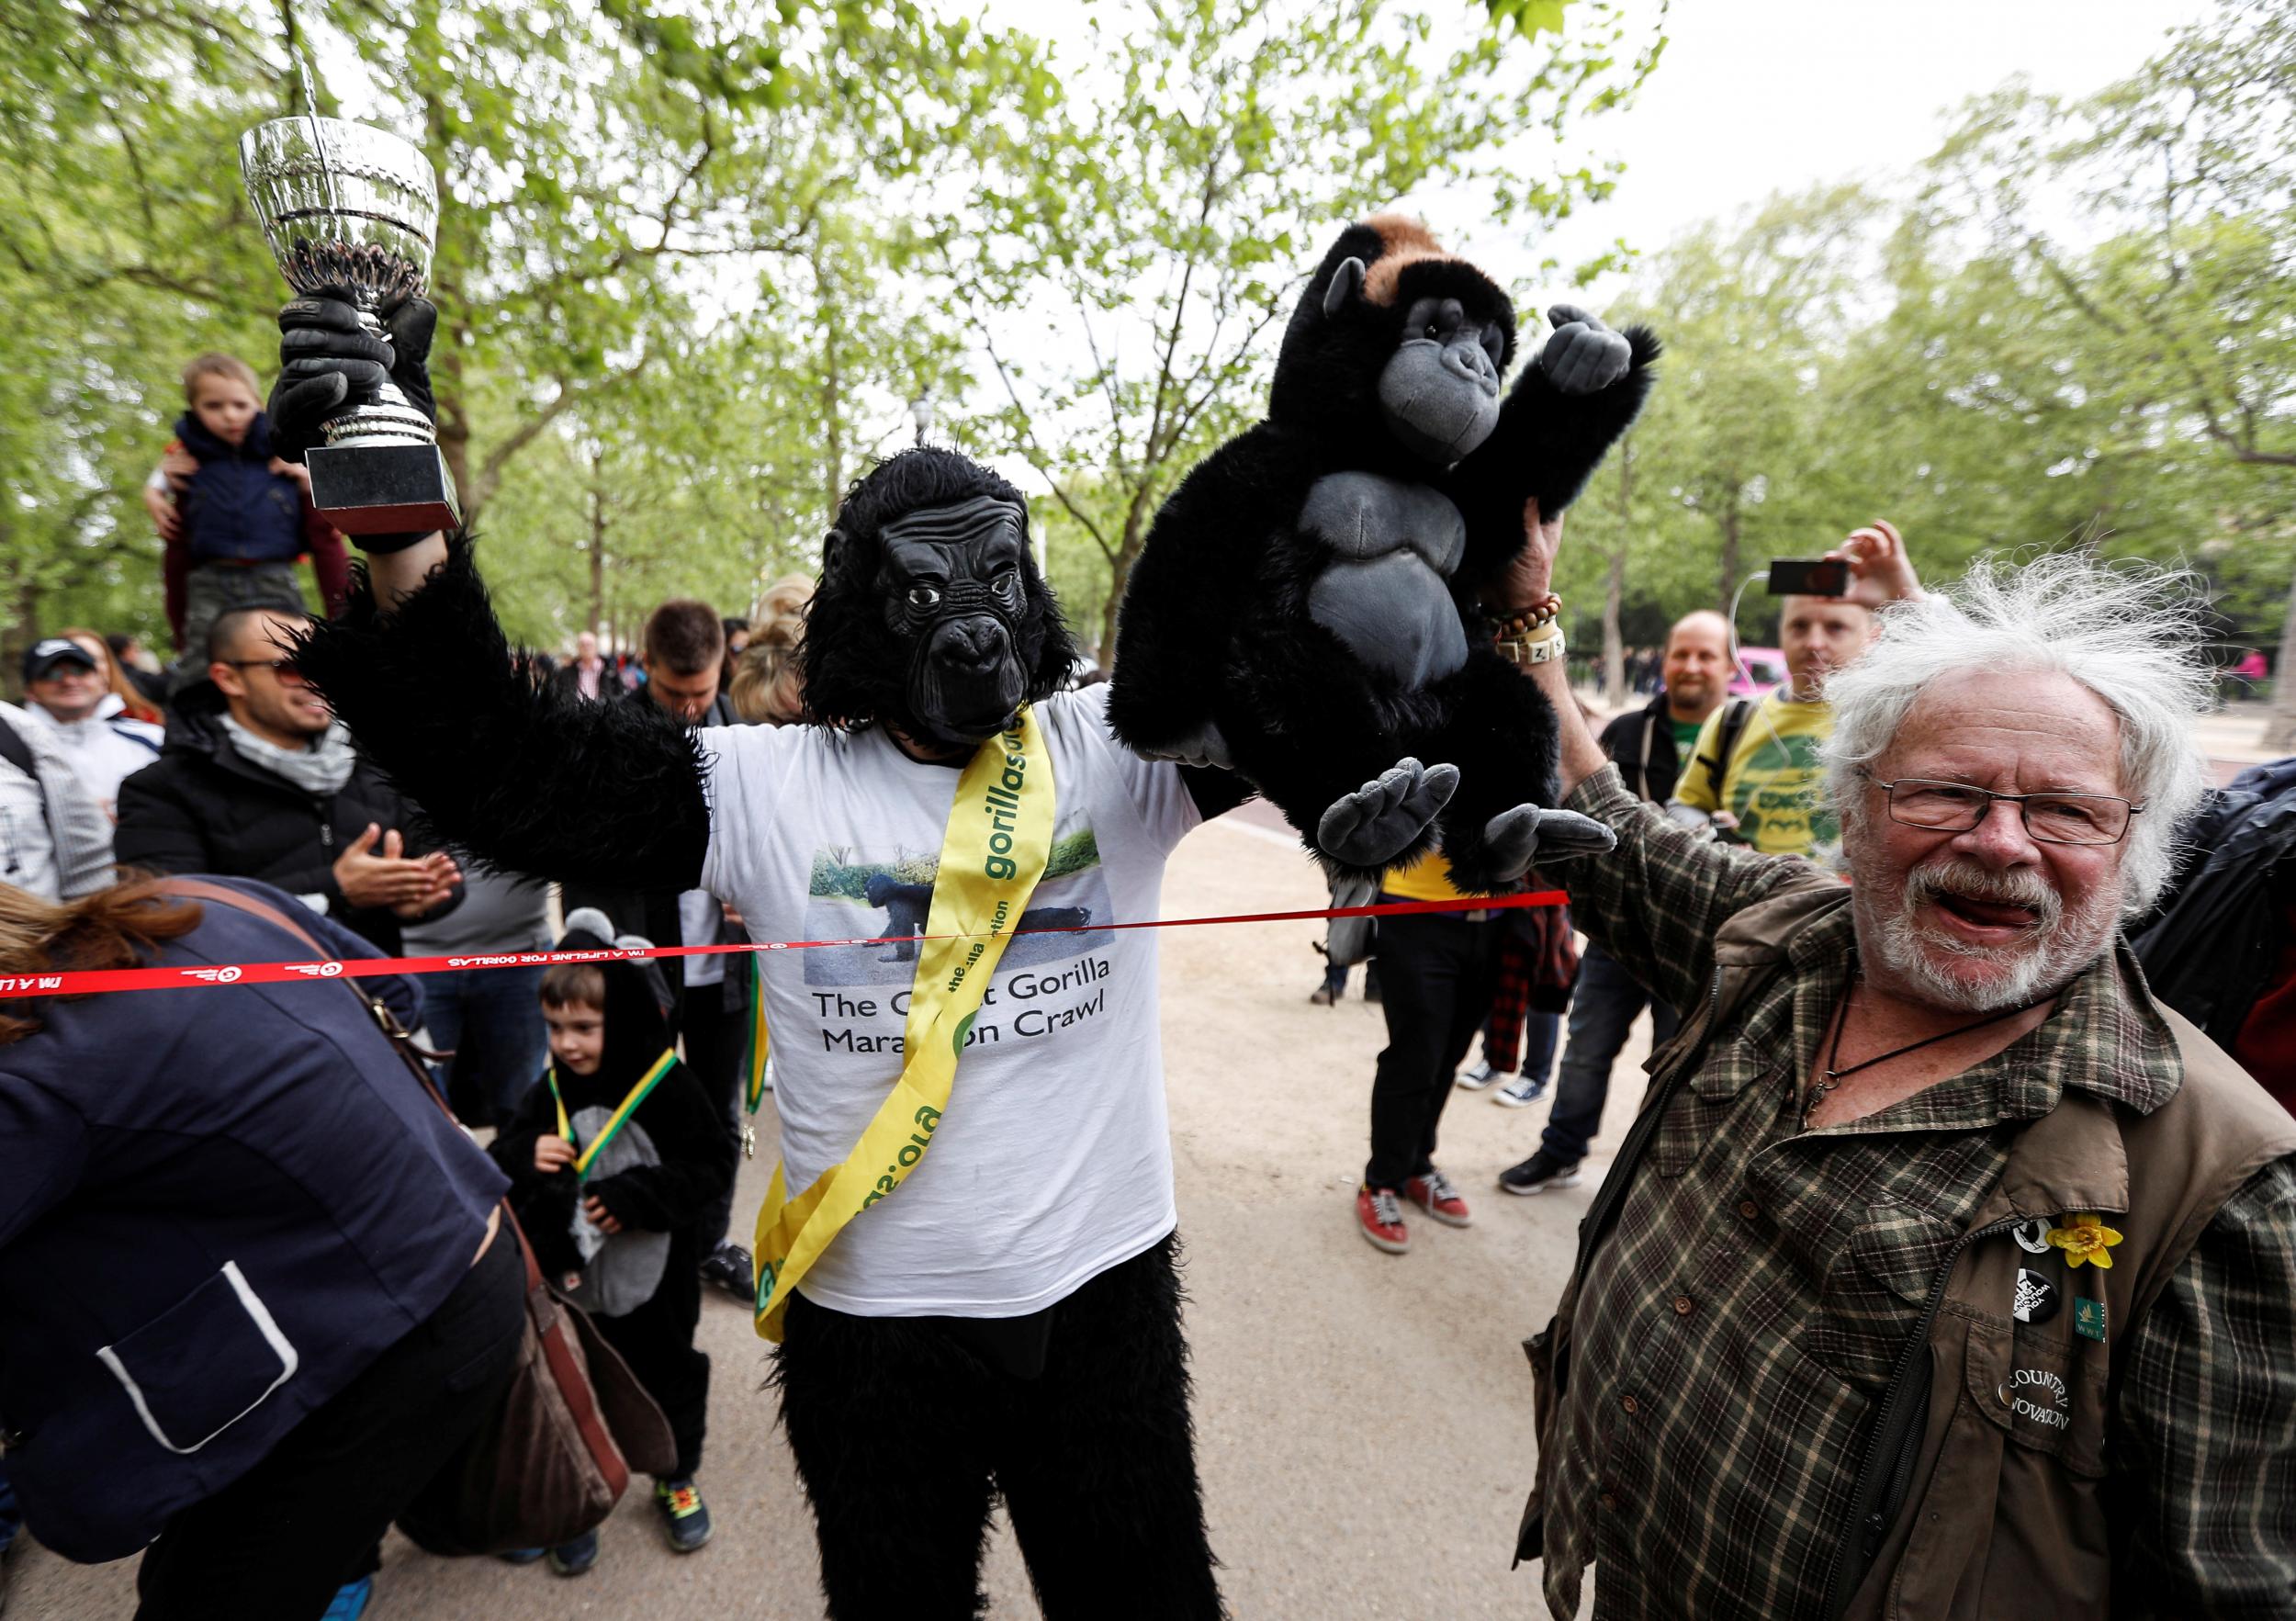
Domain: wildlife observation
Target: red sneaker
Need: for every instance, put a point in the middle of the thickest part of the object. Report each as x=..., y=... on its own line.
x=1433, y=1194
x=1380, y=1216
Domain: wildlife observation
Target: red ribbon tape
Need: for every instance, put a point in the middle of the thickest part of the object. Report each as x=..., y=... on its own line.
x=88, y=981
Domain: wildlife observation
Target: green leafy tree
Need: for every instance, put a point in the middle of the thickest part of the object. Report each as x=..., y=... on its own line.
x=1136, y=251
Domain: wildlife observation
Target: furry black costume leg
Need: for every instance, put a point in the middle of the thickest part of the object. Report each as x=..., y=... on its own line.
x=888, y=1418
x=1097, y=1462
x=900, y=1433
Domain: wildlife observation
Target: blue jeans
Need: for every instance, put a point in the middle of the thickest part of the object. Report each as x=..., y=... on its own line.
x=1603, y=1010
x=491, y=1018
x=11, y=1517
x=1541, y=1032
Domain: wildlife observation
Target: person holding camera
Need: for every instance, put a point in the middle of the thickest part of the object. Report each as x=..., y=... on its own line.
x=1754, y=774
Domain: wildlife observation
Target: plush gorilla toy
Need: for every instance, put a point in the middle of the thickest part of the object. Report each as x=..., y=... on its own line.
x=1305, y=610
x=1040, y=1304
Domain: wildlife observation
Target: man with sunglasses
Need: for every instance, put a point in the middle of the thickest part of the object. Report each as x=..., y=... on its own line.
x=1944, y=1271
x=258, y=779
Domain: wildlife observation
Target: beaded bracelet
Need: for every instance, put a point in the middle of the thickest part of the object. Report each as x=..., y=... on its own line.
x=1544, y=611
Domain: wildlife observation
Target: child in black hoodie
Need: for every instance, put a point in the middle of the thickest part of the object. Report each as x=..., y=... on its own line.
x=610, y=1209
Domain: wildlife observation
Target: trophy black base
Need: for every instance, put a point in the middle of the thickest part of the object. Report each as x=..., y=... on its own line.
x=383, y=489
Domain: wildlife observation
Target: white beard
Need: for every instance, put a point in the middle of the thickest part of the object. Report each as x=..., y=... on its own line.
x=2061, y=944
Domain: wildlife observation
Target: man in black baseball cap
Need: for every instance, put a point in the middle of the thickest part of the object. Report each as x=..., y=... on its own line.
x=46, y=654
x=67, y=688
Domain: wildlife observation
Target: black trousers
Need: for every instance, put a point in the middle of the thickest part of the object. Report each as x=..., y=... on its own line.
x=903, y=1436
x=656, y=1341
x=715, y=1040
x=279, y=1540
x=1437, y=973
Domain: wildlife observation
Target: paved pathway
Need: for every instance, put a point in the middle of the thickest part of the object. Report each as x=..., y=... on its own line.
x=1364, y=1419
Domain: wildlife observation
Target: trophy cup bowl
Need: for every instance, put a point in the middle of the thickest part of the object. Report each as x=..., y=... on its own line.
x=349, y=207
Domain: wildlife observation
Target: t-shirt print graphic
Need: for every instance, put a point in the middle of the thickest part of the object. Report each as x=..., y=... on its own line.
x=888, y=895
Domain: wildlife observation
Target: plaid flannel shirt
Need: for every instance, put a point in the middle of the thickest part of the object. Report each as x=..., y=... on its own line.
x=1744, y=1313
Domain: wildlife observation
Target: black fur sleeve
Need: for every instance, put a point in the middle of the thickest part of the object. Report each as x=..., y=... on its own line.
x=1546, y=447
x=529, y=778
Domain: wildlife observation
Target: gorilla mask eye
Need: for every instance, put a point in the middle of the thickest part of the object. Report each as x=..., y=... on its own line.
x=1008, y=585
x=924, y=596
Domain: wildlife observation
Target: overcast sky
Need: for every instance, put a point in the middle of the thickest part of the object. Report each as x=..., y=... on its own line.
x=1761, y=96
x=1754, y=96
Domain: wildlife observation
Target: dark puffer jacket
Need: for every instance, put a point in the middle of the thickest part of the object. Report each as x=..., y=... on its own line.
x=235, y=509
x=204, y=807
x=216, y=1208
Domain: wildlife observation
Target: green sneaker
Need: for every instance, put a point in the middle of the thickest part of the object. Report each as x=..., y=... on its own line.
x=684, y=1516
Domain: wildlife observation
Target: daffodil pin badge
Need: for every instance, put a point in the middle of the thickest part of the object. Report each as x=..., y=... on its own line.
x=2085, y=1237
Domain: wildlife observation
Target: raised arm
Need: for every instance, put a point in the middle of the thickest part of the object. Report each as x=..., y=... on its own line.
x=1655, y=901
x=525, y=776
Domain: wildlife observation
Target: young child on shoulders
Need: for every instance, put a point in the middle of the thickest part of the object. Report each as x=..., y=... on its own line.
x=612, y=1160
x=234, y=516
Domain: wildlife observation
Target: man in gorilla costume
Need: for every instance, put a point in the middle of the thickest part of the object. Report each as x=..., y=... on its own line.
x=1309, y=604
x=1007, y=1322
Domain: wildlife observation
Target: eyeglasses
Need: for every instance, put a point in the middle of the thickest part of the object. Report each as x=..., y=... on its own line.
x=286, y=669
x=2050, y=818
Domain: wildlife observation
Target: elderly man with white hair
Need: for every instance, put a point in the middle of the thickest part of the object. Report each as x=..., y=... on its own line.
x=1944, y=1273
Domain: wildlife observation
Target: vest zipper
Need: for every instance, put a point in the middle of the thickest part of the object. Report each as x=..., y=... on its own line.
x=1870, y=1521
x=1596, y=1221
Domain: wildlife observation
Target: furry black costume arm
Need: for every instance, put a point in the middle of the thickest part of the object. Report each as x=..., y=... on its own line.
x=1547, y=446
x=527, y=777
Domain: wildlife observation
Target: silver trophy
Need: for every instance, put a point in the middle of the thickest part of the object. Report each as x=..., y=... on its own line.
x=350, y=207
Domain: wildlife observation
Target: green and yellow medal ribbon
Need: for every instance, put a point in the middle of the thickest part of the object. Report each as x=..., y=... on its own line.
x=616, y=1121
x=760, y=1049
x=998, y=839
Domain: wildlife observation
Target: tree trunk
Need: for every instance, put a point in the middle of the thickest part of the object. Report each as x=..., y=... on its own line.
x=1730, y=522
x=2280, y=727
x=1136, y=522
x=597, y=548
x=1615, y=587
x=832, y=392
x=447, y=263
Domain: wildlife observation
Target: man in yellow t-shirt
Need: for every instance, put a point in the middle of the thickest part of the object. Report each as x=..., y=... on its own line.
x=1765, y=791
x=1437, y=971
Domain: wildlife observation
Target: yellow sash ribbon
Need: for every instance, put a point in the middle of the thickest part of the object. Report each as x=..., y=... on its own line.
x=998, y=840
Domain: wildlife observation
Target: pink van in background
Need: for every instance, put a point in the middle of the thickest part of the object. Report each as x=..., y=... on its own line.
x=1759, y=670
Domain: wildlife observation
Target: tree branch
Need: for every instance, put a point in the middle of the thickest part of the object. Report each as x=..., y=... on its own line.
x=1035, y=453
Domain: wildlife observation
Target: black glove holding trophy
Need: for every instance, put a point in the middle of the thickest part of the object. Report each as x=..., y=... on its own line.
x=350, y=212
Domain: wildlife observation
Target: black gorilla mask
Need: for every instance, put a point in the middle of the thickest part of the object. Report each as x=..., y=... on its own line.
x=950, y=579
x=930, y=613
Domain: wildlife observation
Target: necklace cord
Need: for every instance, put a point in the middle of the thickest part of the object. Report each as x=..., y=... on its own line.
x=1834, y=1074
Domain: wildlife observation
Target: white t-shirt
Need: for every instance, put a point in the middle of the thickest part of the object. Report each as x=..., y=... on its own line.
x=1053, y=1162
x=104, y=750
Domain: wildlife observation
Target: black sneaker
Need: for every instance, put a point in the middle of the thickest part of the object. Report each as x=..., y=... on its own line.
x=575, y=1558
x=685, y=1517
x=1537, y=1174
x=729, y=1267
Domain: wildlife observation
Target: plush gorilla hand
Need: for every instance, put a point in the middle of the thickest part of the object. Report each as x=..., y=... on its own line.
x=931, y=615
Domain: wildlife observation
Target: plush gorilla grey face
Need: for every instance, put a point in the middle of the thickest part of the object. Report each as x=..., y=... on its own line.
x=1440, y=389
x=953, y=594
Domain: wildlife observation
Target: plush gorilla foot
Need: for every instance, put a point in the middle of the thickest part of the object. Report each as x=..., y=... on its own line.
x=1368, y=827
x=1527, y=833
x=1206, y=746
